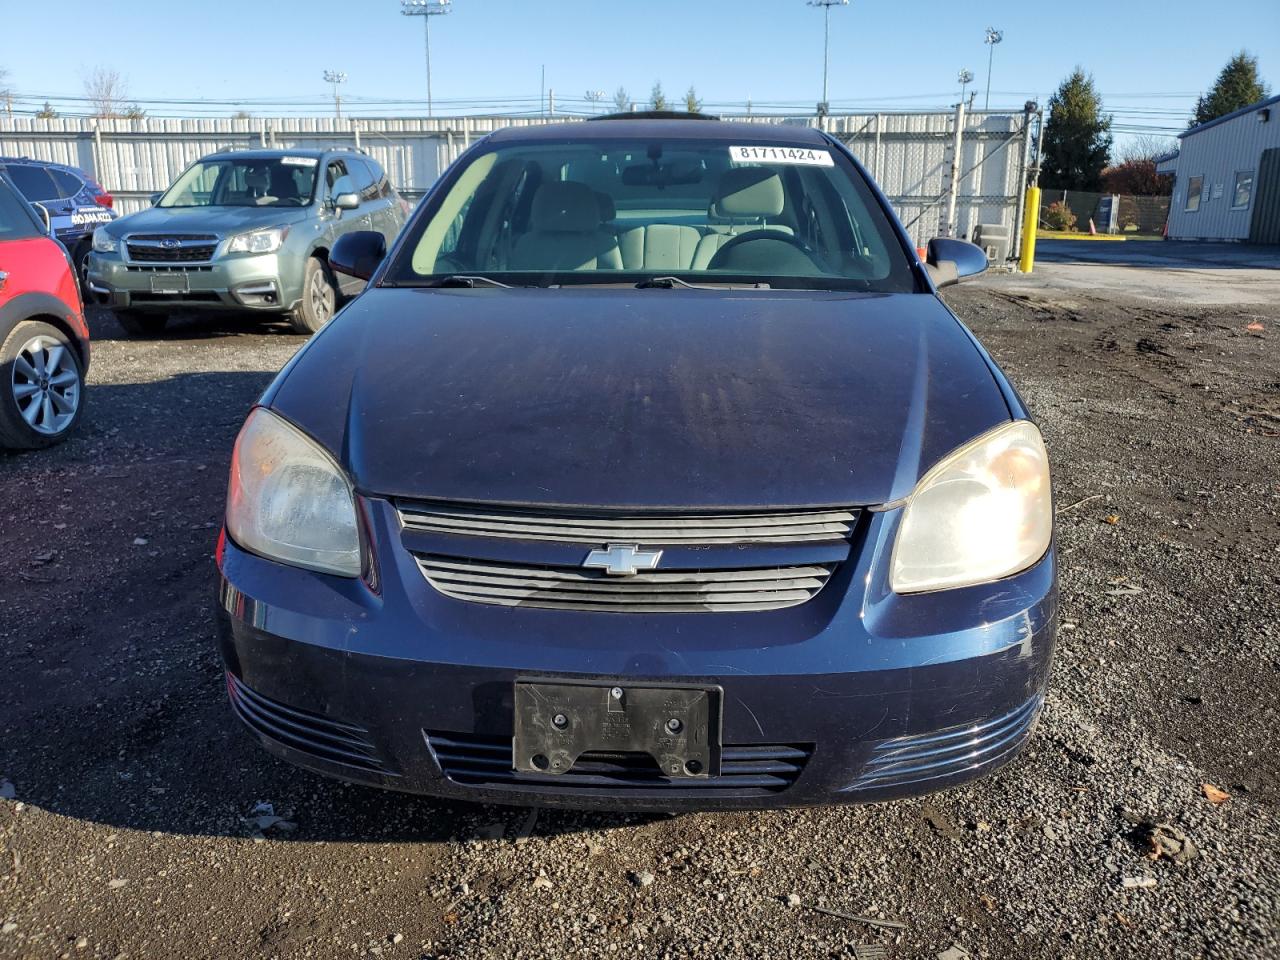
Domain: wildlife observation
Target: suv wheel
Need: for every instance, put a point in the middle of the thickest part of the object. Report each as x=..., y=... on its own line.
x=138, y=323
x=80, y=257
x=41, y=386
x=319, y=298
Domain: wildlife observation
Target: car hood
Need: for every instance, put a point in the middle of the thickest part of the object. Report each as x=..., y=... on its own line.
x=648, y=398
x=220, y=220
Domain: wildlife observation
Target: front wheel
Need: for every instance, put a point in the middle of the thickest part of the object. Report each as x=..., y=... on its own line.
x=319, y=297
x=138, y=323
x=41, y=386
x=80, y=257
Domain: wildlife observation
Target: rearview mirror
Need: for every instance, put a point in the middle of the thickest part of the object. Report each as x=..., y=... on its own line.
x=346, y=201
x=951, y=260
x=155, y=198
x=357, y=254
x=44, y=216
x=662, y=174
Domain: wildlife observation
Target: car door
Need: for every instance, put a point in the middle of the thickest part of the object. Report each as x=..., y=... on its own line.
x=338, y=179
x=382, y=206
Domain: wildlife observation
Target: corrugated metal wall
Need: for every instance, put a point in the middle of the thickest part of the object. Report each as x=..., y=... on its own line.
x=909, y=154
x=1217, y=155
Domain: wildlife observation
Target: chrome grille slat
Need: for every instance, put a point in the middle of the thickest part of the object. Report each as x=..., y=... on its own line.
x=572, y=588
x=778, y=527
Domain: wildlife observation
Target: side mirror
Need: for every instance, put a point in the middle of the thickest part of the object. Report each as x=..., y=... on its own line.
x=951, y=260
x=357, y=254
x=346, y=201
x=155, y=197
x=44, y=215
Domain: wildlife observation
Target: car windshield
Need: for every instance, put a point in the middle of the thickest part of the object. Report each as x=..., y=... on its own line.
x=244, y=182
x=697, y=211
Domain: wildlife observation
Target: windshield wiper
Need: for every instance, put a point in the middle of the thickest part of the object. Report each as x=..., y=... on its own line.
x=670, y=283
x=464, y=280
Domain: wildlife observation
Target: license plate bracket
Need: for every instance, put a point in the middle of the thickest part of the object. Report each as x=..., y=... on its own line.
x=171, y=283
x=557, y=721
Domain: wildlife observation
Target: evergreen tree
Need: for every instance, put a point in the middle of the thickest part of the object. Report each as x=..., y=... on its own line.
x=658, y=99
x=622, y=99
x=1238, y=85
x=691, y=102
x=47, y=112
x=1077, y=137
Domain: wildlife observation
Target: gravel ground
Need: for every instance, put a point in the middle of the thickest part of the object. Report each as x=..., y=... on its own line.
x=125, y=830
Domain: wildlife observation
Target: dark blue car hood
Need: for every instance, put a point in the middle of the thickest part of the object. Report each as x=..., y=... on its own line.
x=644, y=398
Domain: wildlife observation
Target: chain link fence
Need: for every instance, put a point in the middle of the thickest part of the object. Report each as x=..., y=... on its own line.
x=1133, y=214
x=944, y=172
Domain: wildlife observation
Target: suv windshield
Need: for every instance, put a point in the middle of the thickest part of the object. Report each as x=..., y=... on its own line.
x=244, y=182
x=610, y=211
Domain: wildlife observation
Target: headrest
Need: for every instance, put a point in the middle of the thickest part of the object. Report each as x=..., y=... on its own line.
x=608, y=210
x=565, y=207
x=256, y=178
x=748, y=192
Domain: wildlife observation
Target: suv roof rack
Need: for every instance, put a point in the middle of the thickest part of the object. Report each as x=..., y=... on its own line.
x=656, y=115
x=345, y=147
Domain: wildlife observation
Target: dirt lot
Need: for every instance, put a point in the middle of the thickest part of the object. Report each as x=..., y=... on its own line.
x=128, y=781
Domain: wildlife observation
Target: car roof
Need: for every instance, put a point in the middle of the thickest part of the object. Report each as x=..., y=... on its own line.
x=722, y=131
x=15, y=161
x=274, y=153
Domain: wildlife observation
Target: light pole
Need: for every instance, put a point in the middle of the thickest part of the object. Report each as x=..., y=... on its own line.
x=965, y=77
x=994, y=36
x=826, y=6
x=336, y=77
x=426, y=9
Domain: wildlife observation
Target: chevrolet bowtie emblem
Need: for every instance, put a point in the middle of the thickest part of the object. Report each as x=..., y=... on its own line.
x=622, y=559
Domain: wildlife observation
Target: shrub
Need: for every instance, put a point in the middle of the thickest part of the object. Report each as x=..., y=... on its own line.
x=1058, y=216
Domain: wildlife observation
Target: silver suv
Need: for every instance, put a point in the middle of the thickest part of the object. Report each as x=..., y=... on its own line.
x=243, y=230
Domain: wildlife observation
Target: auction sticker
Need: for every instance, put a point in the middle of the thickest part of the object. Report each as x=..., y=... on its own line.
x=299, y=161
x=801, y=156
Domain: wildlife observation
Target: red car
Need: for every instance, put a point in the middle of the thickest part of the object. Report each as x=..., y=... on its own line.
x=44, y=341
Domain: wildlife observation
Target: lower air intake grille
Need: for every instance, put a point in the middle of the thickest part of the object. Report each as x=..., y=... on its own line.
x=310, y=733
x=486, y=761
x=945, y=753
x=670, y=591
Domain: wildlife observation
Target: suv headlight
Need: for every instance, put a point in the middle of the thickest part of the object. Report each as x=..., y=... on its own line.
x=258, y=241
x=104, y=242
x=984, y=512
x=288, y=500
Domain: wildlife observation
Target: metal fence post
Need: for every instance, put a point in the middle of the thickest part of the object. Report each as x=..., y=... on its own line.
x=1024, y=163
x=953, y=189
x=355, y=131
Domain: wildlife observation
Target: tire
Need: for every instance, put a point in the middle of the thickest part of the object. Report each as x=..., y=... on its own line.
x=41, y=386
x=319, y=297
x=138, y=323
x=80, y=258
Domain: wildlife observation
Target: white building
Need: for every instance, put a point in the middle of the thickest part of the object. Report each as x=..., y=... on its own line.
x=1227, y=178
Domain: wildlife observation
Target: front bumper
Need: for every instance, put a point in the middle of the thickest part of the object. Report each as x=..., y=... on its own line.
x=856, y=695
x=240, y=282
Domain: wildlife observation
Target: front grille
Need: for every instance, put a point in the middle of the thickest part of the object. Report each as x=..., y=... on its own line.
x=786, y=527
x=192, y=247
x=161, y=269
x=669, y=591
x=321, y=737
x=945, y=753
x=487, y=761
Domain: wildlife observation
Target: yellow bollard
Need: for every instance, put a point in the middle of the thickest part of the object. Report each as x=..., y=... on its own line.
x=1030, y=218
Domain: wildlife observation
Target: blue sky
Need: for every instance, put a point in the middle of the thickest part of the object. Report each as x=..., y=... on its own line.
x=1149, y=59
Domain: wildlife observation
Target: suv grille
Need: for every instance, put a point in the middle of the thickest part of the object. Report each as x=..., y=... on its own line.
x=509, y=524
x=671, y=591
x=191, y=247
x=486, y=761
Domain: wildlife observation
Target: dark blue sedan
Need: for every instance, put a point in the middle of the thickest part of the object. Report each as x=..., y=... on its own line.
x=648, y=472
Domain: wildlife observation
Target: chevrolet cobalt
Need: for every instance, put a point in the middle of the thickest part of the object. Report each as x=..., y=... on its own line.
x=648, y=472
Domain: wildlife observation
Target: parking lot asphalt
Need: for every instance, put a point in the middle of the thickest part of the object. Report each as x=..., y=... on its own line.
x=1168, y=271
x=128, y=828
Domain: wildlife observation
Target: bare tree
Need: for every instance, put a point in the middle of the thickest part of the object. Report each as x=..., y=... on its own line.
x=6, y=95
x=106, y=92
x=1146, y=147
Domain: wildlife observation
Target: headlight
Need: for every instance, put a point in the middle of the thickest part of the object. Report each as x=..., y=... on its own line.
x=104, y=242
x=288, y=500
x=983, y=513
x=259, y=241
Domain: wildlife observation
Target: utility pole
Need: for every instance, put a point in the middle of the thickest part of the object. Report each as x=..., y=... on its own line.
x=826, y=5
x=335, y=77
x=994, y=36
x=426, y=9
